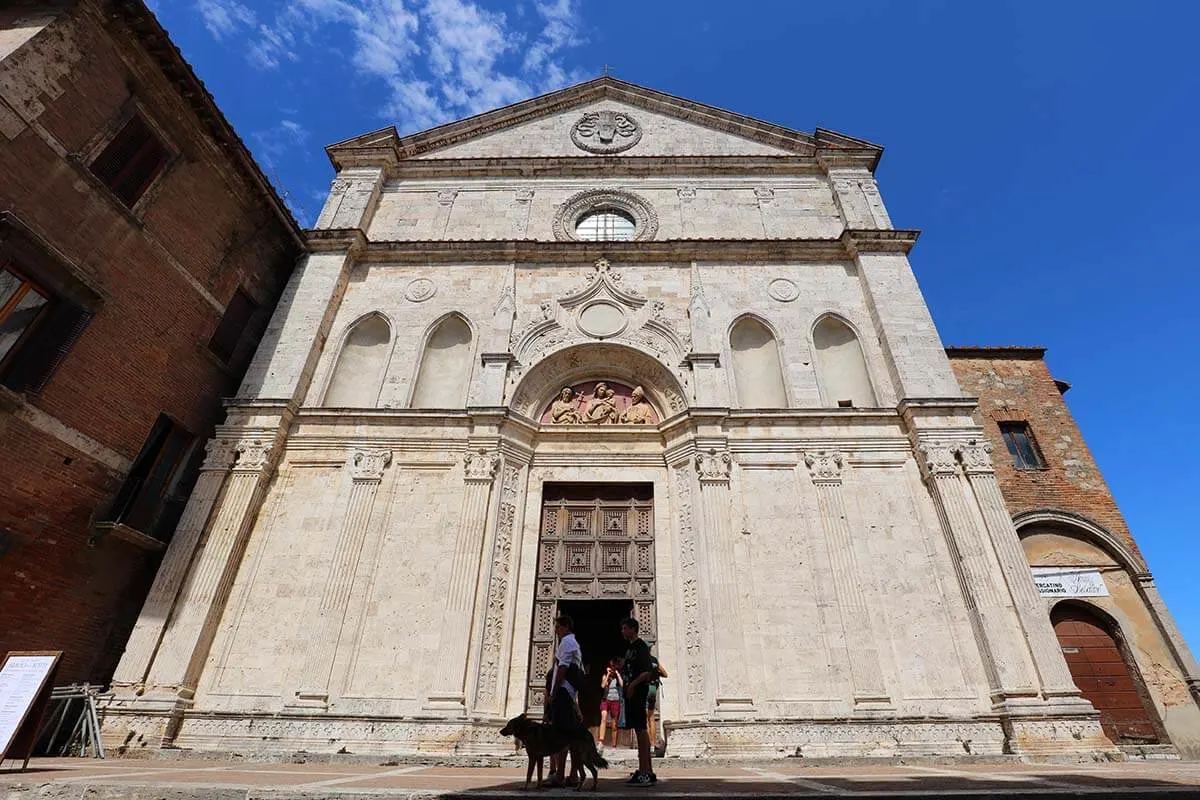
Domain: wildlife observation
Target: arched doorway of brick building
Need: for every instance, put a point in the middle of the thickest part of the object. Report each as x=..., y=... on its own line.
x=1106, y=674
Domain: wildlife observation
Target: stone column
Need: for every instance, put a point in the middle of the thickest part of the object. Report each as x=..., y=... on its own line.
x=193, y=624
x=143, y=642
x=450, y=684
x=1056, y=681
x=997, y=628
x=716, y=500
x=825, y=468
x=366, y=473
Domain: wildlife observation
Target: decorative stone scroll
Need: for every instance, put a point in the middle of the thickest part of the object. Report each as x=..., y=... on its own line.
x=606, y=132
x=600, y=403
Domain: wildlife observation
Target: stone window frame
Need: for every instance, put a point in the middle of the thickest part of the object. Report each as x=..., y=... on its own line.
x=1009, y=430
x=645, y=220
x=86, y=158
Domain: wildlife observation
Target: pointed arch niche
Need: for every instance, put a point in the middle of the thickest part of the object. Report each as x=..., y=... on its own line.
x=358, y=374
x=756, y=365
x=445, y=366
x=841, y=366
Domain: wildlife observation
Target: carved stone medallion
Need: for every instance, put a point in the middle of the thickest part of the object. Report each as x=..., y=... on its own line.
x=783, y=290
x=420, y=290
x=606, y=132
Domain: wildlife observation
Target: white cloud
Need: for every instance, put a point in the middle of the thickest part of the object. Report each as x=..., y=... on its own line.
x=437, y=59
x=225, y=17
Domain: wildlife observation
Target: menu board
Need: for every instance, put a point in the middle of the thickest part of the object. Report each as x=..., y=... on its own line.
x=24, y=679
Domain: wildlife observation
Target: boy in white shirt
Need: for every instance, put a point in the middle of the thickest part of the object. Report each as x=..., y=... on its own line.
x=561, y=701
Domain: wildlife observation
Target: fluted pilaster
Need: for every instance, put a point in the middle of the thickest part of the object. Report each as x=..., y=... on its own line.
x=366, y=473
x=825, y=467
x=479, y=472
x=733, y=692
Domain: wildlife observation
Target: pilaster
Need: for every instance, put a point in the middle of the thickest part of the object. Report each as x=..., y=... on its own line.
x=479, y=472
x=143, y=641
x=353, y=199
x=733, y=695
x=325, y=629
x=825, y=468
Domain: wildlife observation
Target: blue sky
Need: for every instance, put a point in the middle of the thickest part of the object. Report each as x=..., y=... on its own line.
x=1044, y=149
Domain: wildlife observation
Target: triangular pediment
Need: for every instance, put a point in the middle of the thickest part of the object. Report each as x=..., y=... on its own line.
x=599, y=118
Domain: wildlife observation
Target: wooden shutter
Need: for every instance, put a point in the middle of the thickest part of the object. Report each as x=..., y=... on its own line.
x=45, y=347
x=131, y=161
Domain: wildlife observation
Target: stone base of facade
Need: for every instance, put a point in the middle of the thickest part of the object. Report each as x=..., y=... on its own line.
x=131, y=732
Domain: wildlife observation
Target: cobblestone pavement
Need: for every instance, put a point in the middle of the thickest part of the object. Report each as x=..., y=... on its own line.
x=51, y=779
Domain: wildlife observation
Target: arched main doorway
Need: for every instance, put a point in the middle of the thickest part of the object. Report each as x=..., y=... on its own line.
x=1098, y=664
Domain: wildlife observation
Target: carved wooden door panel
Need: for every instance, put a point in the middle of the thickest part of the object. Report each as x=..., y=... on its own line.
x=592, y=546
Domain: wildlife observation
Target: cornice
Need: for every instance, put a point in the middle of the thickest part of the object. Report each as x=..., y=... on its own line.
x=336, y=240
x=526, y=251
x=878, y=240
x=830, y=144
x=599, y=166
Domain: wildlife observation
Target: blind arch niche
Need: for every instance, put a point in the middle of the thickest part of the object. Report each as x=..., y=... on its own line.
x=445, y=366
x=756, y=366
x=358, y=374
x=841, y=366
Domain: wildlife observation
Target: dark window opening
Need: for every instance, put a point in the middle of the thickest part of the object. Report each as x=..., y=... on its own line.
x=845, y=404
x=1021, y=445
x=156, y=488
x=228, y=335
x=36, y=330
x=131, y=161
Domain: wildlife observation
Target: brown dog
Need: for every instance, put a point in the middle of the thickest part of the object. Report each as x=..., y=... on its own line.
x=541, y=740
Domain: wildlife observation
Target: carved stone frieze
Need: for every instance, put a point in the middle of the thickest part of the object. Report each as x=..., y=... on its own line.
x=714, y=466
x=600, y=403
x=368, y=465
x=495, y=611
x=825, y=466
x=480, y=465
x=690, y=578
x=606, y=132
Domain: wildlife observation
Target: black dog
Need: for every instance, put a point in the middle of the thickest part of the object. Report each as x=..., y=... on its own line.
x=541, y=740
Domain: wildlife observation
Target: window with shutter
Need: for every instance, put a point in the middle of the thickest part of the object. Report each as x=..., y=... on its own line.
x=233, y=323
x=131, y=161
x=1018, y=438
x=151, y=499
x=37, y=331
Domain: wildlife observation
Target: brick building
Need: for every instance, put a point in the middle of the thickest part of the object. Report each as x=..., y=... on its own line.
x=141, y=255
x=1120, y=642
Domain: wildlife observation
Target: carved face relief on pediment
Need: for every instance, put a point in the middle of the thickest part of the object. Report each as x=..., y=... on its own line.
x=606, y=132
x=600, y=403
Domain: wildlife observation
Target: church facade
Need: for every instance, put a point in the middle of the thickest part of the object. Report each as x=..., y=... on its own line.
x=608, y=352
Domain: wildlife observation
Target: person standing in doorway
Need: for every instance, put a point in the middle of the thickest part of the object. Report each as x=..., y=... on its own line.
x=565, y=681
x=639, y=671
x=612, y=686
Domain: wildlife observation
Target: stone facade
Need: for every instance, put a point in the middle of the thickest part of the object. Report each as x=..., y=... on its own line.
x=1067, y=518
x=817, y=546
x=135, y=292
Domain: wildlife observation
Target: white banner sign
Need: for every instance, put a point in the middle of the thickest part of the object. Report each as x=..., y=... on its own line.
x=1069, y=582
x=20, y=681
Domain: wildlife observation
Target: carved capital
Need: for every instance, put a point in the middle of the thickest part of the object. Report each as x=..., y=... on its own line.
x=219, y=455
x=523, y=195
x=764, y=194
x=446, y=197
x=480, y=466
x=368, y=465
x=825, y=466
x=976, y=456
x=253, y=455
x=714, y=466
x=938, y=459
